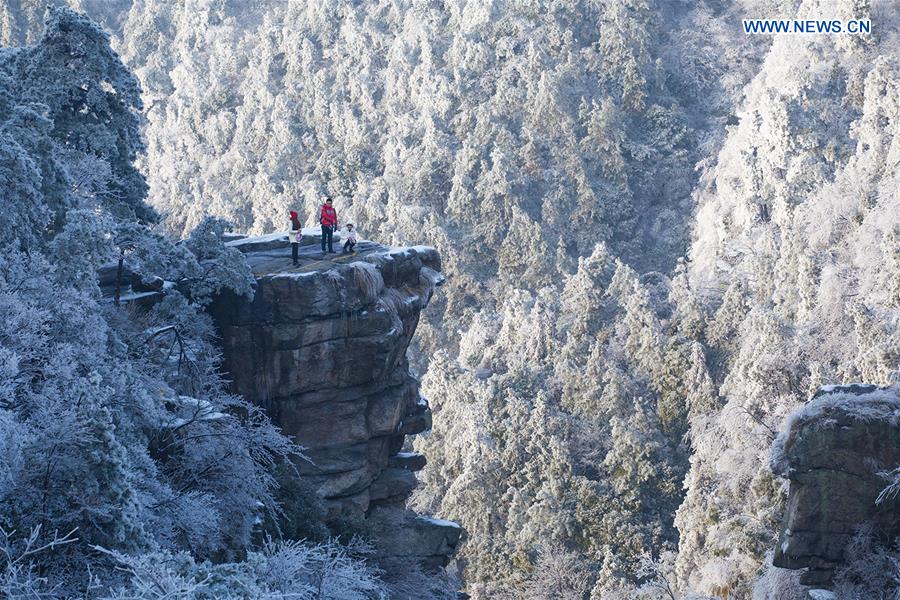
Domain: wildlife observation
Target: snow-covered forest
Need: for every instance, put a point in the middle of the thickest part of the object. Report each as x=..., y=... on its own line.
x=661, y=236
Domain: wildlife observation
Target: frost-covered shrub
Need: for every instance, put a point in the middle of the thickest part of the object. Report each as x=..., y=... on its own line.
x=559, y=573
x=20, y=576
x=779, y=584
x=219, y=266
x=301, y=513
x=292, y=569
x=407, y=581
x=347, y=527
x=893, y=487
x=872, y=570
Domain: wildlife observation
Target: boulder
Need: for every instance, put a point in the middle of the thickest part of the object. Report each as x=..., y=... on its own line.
x=403, y=535
x=832, y=451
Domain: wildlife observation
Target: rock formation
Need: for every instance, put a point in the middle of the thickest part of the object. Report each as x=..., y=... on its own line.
x=832, y=451
x=322, y=347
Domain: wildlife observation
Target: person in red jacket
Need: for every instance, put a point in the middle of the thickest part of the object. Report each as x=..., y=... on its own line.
x=328, y=219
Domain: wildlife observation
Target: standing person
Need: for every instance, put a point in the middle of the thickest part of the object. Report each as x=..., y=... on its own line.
x=351, y=239
x=329, y=220
x=296, y=235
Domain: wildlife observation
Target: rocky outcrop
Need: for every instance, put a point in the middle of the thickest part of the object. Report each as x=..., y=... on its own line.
x=322, y=347
x=832, y=451
x=406, y=536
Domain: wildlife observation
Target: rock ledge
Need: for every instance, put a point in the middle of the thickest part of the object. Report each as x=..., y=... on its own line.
x=322, y=347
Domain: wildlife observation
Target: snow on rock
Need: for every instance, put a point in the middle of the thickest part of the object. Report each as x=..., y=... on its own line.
x=193, y=410
x=142, y=298
x=860, y=402
x=440, y=522
x=260, y=243
x=846, y=388
x=296, y=275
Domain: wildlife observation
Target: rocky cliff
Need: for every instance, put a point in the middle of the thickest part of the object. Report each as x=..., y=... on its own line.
x=832, y=451
x=322, y=347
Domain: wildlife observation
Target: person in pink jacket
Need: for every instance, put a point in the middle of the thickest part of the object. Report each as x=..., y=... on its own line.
x=296, y=235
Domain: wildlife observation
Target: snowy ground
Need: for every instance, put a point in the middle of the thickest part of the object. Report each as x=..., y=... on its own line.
x=274, y=253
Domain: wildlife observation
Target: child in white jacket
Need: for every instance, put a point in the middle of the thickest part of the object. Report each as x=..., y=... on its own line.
x=351, y=239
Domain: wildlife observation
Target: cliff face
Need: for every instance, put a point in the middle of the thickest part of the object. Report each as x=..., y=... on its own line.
x=832, y=451
x=322, y=347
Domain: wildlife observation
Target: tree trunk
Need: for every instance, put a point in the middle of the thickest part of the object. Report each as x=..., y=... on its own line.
x=119, y=270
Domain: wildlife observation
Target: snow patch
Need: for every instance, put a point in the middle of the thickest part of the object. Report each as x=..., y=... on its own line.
x=293, y=275
x=260, y=239
x=200, y=410
x=440, y=522
x=126, y=298
x=402, y=252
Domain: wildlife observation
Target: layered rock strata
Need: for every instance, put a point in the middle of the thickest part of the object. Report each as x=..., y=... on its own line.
x=835, y=452
x=322, y=347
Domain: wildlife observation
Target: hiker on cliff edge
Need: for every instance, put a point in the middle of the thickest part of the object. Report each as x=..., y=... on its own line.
x=296, y=235
x=329, y=220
